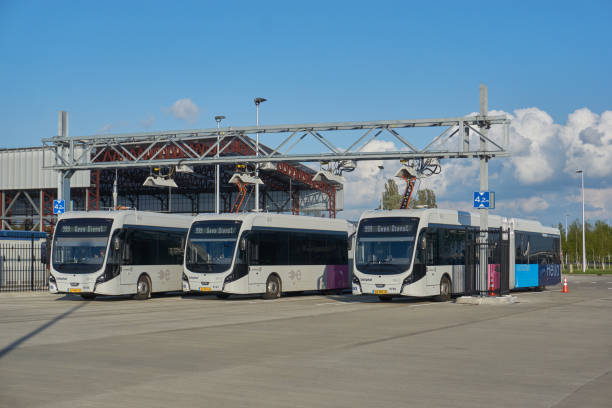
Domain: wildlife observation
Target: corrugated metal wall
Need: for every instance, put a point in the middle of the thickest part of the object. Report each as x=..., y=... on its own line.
x=21, y=169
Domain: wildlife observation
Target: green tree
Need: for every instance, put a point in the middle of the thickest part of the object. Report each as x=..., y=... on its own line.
x=598, y=242
x=424, y=198
x=391, y=197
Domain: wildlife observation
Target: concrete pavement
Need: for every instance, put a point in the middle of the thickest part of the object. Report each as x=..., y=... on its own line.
x=549, y=349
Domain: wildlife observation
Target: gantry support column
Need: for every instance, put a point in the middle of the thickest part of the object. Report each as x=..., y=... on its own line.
x=64, y=176
x=484, y=186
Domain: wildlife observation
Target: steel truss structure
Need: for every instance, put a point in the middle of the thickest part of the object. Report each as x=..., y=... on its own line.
x=168, y=148
x=233, y=145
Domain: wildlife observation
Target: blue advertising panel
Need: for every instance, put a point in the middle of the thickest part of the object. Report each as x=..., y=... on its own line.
x=549, y=274
x=525, y=275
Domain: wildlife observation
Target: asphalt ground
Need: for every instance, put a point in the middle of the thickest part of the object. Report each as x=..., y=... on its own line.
x=548, y=350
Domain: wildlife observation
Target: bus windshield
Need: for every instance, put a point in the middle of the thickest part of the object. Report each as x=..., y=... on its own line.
x=385, y=245
x=211, y=244
x=80, y=244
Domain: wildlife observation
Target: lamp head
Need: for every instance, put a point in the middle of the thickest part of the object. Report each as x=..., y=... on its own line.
x=219, y=118
x=578, y=171
x=259, y=100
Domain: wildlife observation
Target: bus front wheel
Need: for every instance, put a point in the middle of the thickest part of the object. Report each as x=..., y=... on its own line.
x=223, y=295
x=273, y=287
x=385, y=298
x=88, y=296
x=445, y=290
x=143, y=288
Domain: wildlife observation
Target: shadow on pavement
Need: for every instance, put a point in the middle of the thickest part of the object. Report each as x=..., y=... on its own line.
x=33, y=333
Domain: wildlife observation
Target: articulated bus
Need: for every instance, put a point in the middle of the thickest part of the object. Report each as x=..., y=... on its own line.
x=423, y=253
x=261, y=253
x=123, y=252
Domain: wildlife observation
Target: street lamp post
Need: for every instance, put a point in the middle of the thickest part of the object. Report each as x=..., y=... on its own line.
x=583, y=230
x=218, y=119
x=257, y=102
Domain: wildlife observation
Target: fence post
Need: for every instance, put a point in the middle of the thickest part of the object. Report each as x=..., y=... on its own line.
x=32, y=262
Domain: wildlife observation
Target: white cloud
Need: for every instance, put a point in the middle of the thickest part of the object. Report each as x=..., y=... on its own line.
x=184, y=109
x=148, y=122
x=106, y=128
x=364, y=186
x=538, y=180
x=524, y=205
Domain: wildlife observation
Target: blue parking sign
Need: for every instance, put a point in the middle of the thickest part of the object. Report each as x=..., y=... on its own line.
x=484, y=199
x=59, y=206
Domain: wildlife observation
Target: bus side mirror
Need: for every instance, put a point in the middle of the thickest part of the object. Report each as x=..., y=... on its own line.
x=351, y=238
x=116, y=244
x=242, y=244
x=422, y=242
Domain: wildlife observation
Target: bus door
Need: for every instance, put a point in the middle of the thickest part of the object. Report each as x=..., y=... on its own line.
x=256, y=276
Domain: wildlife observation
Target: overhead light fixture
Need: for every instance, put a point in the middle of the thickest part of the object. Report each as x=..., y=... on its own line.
x=267, y=166
x=348, y=165
x=183, y=168
x=244, y=179
x=406, y=172
x=156, y=181
x=329, y=177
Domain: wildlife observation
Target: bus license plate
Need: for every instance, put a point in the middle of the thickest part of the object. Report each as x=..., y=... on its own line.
x=75, y=290
x=204, y=289
x=380, y=292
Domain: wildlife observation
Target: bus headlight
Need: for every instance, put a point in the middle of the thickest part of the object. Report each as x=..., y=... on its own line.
x=186, y=287
x=238, y=272
x=110, y=272
x=356, y=282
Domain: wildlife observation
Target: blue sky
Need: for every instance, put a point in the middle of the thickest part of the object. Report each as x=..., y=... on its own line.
x=121, y=66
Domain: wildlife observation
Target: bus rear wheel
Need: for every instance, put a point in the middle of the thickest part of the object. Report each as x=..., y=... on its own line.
x=445, y=290
x=273, y=287
x=143, y=288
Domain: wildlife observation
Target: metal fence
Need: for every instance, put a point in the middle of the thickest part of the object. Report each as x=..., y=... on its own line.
x=21, y=268
x=496, y=280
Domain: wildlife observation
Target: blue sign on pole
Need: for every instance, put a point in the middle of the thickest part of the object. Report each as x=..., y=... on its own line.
x=59, y=206
x=484, y=199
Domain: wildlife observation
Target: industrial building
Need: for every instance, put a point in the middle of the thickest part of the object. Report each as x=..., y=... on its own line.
x=27, y=190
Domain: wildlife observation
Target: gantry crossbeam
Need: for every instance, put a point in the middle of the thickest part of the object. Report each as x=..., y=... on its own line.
x=152, y=149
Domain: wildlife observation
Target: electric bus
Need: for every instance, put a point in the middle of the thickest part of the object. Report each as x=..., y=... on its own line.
x=262, y=253
x=124, y=252
x=425, y=252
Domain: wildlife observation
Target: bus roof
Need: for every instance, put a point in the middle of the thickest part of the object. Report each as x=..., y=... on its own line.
x=135, y=217
x=458, y=217
x=279, y=220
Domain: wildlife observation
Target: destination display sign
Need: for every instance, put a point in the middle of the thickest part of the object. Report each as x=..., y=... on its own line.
x=84, y=227
x=389, y=226
x=215, y=229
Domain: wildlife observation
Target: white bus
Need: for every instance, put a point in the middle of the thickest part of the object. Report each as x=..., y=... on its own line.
x=118, y=253
x=423, y=253
x=261, y=253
